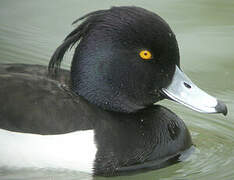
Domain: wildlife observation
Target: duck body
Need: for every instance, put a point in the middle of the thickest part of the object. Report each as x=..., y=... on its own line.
x=39, y=94
x=117, y=139
x=101, y=116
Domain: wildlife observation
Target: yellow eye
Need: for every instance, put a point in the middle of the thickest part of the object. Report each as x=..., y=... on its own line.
x=145, y=54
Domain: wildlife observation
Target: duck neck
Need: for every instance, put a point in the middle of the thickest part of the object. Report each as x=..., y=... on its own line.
x=95, y=92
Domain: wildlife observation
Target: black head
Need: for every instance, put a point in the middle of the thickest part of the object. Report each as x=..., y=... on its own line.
x=124, y=57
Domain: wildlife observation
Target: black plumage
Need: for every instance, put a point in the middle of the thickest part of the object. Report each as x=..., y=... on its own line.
x=109, y=89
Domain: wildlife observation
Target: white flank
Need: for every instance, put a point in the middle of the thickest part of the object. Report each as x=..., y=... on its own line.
x=73, y=151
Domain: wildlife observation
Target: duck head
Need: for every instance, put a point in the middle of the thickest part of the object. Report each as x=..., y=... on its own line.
x=127, y=58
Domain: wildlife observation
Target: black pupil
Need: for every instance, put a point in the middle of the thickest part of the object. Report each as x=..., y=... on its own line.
x=145, y=53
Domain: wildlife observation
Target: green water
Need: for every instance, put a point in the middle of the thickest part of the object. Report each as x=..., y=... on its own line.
x=30, y=31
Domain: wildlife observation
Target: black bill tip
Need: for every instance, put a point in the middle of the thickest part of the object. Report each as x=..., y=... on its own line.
x=221, y=108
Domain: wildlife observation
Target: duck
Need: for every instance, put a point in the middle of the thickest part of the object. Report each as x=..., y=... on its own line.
x=102, y=116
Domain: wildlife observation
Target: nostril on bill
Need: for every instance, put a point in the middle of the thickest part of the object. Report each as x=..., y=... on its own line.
x=187, y=85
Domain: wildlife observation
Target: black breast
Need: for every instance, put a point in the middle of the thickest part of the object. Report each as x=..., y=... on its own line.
x=149, y=139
